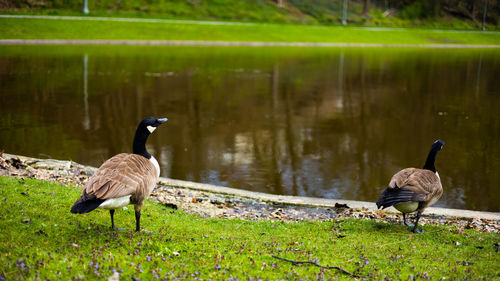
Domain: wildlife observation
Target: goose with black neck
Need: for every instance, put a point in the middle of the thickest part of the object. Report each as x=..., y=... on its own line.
x=412, y=190
x=126, y=178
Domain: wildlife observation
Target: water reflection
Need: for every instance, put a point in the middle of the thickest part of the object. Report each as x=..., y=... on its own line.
x=86, y=118
x=333, y=123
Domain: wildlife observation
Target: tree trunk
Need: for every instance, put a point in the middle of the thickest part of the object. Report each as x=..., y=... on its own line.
x=436, y=8
x=366, y=7
x=484, y=15
x=473, y=12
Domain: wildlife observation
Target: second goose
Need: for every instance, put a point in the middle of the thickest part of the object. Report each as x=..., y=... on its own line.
x=413, y=190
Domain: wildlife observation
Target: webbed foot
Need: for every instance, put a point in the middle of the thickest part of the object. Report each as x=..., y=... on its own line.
x=416, y=230
x=118, y=229
x=408, y=223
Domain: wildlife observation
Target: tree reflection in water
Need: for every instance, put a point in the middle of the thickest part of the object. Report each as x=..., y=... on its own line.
x=333, y=123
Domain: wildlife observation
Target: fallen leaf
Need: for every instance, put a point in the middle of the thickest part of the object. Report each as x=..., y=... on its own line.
x=461, y=230
x=171, y=205
x=341, y=206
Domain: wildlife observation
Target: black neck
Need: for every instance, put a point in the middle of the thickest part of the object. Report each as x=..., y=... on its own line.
x=139, y=146
x=431, y=158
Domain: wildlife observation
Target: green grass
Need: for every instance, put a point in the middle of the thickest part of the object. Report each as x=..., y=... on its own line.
x=81, y=29
x=40, y=238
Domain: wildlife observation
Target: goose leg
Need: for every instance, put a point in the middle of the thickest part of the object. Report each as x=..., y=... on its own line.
x=112, y=213
x=415, y=230
x=137, y=221
x=405, y=222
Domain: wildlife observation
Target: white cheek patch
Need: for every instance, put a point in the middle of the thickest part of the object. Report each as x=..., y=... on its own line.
x=151, y=128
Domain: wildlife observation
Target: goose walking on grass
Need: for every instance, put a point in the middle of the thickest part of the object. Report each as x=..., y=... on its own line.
x=126, y=178
x=413, y=189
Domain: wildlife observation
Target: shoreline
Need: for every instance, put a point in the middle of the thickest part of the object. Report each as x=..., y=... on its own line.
x=52, y=164
x=203, y=43
x=320, y=202
x=208, y=200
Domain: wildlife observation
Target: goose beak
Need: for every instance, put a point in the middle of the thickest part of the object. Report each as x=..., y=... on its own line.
x=162, y=120
x=440, y=142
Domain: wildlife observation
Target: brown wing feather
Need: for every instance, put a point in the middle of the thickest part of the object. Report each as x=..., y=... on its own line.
x=123, y=174
x=420, y=181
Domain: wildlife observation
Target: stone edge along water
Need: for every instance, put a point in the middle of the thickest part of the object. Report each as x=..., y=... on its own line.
x=281, y=199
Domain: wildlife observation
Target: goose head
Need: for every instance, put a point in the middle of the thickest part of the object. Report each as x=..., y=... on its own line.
x=144, y=129
x=151, y=123
x=438, y=145
x=431, y=158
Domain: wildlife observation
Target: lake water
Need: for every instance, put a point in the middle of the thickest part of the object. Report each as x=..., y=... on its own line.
x=322, y=122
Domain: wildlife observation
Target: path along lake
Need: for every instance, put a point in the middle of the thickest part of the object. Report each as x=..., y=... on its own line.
x=321, y=122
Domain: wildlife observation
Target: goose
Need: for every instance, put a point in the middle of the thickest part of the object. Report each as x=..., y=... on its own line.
x=413, y=189
x=126, y=178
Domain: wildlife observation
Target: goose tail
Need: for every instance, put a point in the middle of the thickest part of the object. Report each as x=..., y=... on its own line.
x=86, y=204
x=394, y=196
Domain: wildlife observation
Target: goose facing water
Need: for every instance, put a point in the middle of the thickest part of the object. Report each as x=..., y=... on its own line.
x=126, y=178
x=413, y=190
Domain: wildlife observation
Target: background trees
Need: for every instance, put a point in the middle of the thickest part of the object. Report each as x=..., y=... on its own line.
x=430, y=13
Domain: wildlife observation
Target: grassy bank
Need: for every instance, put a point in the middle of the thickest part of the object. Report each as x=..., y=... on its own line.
x=21, y=28
x=40, y=238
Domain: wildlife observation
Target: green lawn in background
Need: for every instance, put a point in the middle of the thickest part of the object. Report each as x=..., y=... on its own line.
x=41, y=239
x=21, y=28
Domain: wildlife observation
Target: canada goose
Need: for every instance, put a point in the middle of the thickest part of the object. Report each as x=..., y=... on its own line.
x=126, y=178
x=413, y=189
